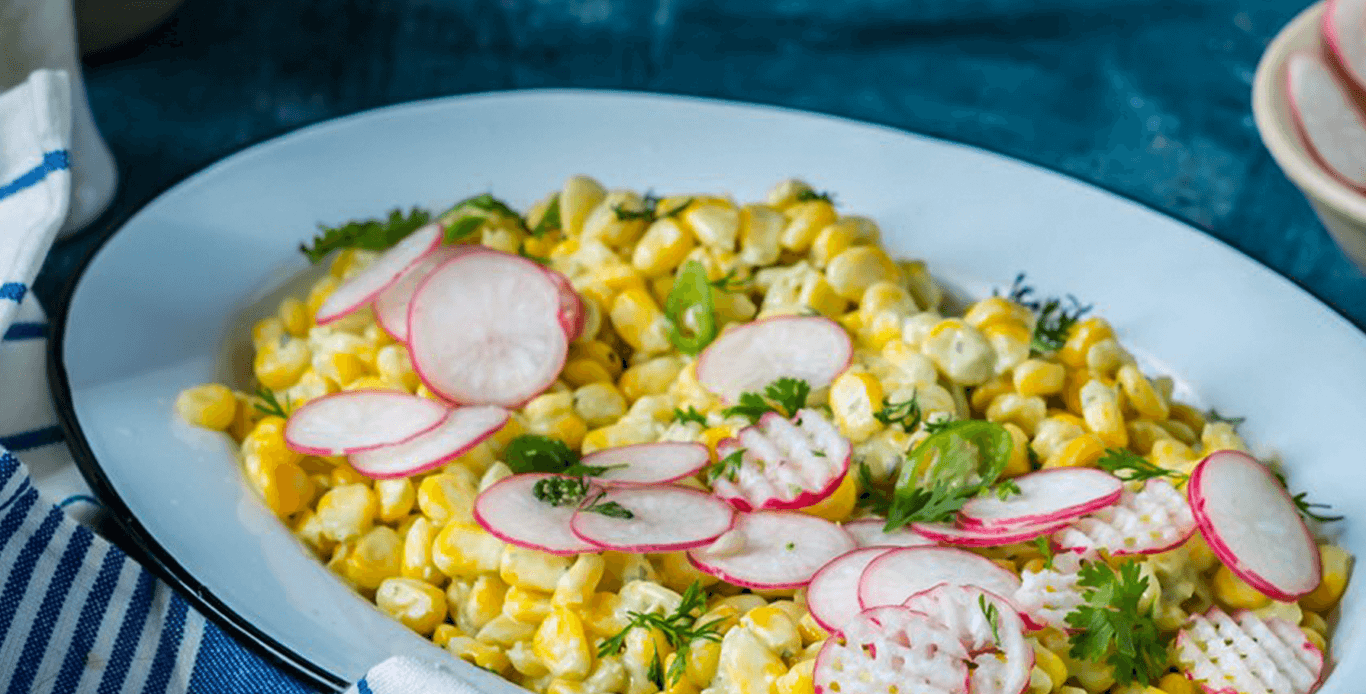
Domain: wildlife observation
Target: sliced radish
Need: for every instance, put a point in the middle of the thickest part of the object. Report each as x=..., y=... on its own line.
x=357, y=420
x=1248, y=654
x=649, y=463
x=984, y=537
x=664, y=518
x=391, y=306
x=510, y=511
x=832, y=595
x=869, y=533
x=462, y=430
x=1001, y=657
x=484, y=329
x=1046, y=496
x=1326, y=117
x=362, y=287
x=1047, y=596
x=572, y=315
x=771, y=550
x=892, y=650
x=1253, y=526
x=1154, y=519
x=901, y=573
x=749, y=357
x=785, y=464
x=1342, y=29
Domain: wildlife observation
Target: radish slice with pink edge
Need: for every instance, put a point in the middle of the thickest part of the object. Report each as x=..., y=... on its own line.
x=1328, y=121
x=357, y=420
x=510, y=511
x=772, y=550
x=748, y=357
x=901, y=573
x=664, y=518
x=1342, y=24
x=984, y=537
x=1046, y=496
x=483, y=329
x=362, y=287
x=1247, y=653
x=649, y=463
x=870, y=532
x=572, y=313
x=391, y=306
x=462, y=430
x=1252, y=525
x=1154, y=519
x=832, y=595
x=785, y=463
x=892, y=650
x=1001, y=657
x=1048, y=595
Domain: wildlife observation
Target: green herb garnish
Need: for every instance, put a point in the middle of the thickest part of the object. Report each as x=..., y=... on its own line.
x=1055, y=316
x=1132, y=467
x=680, y=629
x=905, y=414
x=1111, y=628
x=560, y=491
x=550, y=221
x=809, y=195
x=532, y=453
x=1005, y=489
x=993, y=615
x=784, y=396
x=956, y=463
x=731, y=283
x=368, y=234
x=691, y=298
x=727, y=467
x=272, y=406
x=610, y=509
x=690, y=415
x=1214, y=416
x=1306, y=509
x=1045, y=549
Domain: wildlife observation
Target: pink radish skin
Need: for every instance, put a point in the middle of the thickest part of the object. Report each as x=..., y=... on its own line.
x=1250, y=522
x=362, y=288
x=1046, y=496
x=1341, y=26
x=463, y=429
x=360, y=420
x=1153, y=519
x=772, y=550
x=572, y=314
x=748, y=357
x=869, y=532
x=666, y=518
x=978, y=537
x=1326, y=118
x=650, y=463
x=832, y=595
x=1241, y=643
x=901, y=573
x=785, y=465
x=509, y=510
x=391, y=306
x=483, y=329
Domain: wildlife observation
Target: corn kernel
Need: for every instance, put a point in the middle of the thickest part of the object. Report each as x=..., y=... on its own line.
x=483, y=655
x=798, y=680
x=605, y=224
x=650, y=377
x=1177, y=683
x=347, y=512
x=1083, y=334
x=443, y=634
x=663, y=247
x=1179, y=431
x=577, y=584
x=960, y=351
x=377, y=555
x=1172, y=454
x=839, y=505
x=419, y=605
x=1143, y=433
x=319, y=292
x=396, y=498
x=1337, y=566
x=677, y=573
x=774, y=628
x=1236, y=594
x=445, y=496
x=1315, y=637
x=805, y=221
x=851, y=273
x=560, y=644
x=714, y=222
x=1025, y=412
x=1219, y=436
x=1100, y=409
x=787, y=192
x=880, y=329
x=280, y=367
x=817, y=294
x=526, y=568
x=854, y=398
x=569, y=428
x=831, y=241
x=1082, y=451
x=1038, y=377
x=578, y=197
x=640, y=322
x=417, y=552
x=997, y=309
x=583, y=371
x=464, y=549
x=1018, y=462
x=761, y=230
x=523, y=659
x=563, y=686
x=1193, y=419
x=480, y=604
x=286, y=488
x=747, y=664
x=211, y=405
x=1140, y=393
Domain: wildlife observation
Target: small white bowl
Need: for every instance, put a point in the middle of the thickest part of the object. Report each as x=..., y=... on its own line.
x=1342, y=209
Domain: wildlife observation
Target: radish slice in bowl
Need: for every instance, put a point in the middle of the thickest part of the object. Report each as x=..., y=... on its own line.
x=1001, y=657
x=510, y=511
x=892, y=650
x=1047, y=496
x=484, y=329
x=649, y=463
x=572, y=314
x=391, y=306
x=1248, y=654
x=772, y=550
x=462, y=430
x=869, y=532
x=1327, y=119
x=1252, y=525
x=357, y=420
x=901, y=573
x=362, y=287
x=1048, y=595
x=784, y=463
x=1342, y=28
x=1154, y=519
x=664, y=518
x=984, y=537
x=832, y=595
x=748, y=357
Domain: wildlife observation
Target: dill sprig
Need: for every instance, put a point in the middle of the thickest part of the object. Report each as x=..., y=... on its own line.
x=905, y=414
x=1132, y=467
x=271, y=406
x=1056, y=316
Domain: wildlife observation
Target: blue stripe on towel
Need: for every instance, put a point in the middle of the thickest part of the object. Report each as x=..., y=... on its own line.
x=88, y=626
x=130, y=633
x=364, y=687
x=25, y=331
x=55, y=160
x=168, y=649
x=14, y=291
x=50, y=609
x=24, y=565
x=225, y=665
x=34, y=438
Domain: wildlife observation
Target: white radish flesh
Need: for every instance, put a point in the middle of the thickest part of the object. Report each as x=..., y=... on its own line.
x=510, y=511
x=979, y=537
x=892, y=650
x=1002, y=658
x=1248, y=654
x=362, y=287
x=1045, y=496
x=869, y=532
x=391, y=306
x=356, y=420
x=649, y=463
x=901, y=573
x=772, y=550
x=749, y=357
x=1252, y=525
x=484, y=329
x=462, y=430
x=832, y=595
x=786, y=463
x=1343, y=21
x=1323, y=109
x=1048, y=595
x=1154, y=519
x=664, y=518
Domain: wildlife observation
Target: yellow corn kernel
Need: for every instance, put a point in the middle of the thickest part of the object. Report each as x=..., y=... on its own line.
x=663, y=247
x=1011, y=341
x=1050, y=663
x=563, y=686
x=560, y=644
x=605, y=224
x=852, y=321
x=505, y=631
x=443, y=633
x=1177, y=683
x=319, y=292
x=599, y=403
x=997, y=309
x=651, y=377
x=879, y=330
x=1193, y=419
x=805, y=220
x=549, y=405
x=395, y=366
x=774, y=628
x=798, y=680
x=1172, y=454
x=715, y=222
x=817, y=294
x=347, y=512
x=583, y=371
x=279, y=367
x=579, y=195
x=1180, y=432
x=465, y=549
x=569, y=428
x=1018, y=462
x=286, y=488
x=1084, y=333
x=640, y=322
x=1038, y=377
x=1219, y=436
x=761, y=230
x=532, y=570
x=268, y=332
x=417, y=552
x=913, y=367
x=596, y=440
x=480, y=654
x=1100, y=409
x=983, y=395
x=677, y=573
x=483, y=602
x=1337, y=566
x=703, y=657
x=1143, y=433
x=211, y=405
x=747, y=664
x=396, y=498
x=1024, y=412
x=446, y=496
x=839, y=505
x=307, y=528
x=577, y=584
x=811, y=631
x=419, y=605
x=294, y=316
x=1311, y=620
x=525, y=662
x=831, y=241
x=682, y=685
x=1316, y=637
x=960, y=351
x=1082, y=451
x=854, y=398
x=882, y=297
x=1141, y=394
x=377, y=555
x=851, y=273
x=529, y=606
x=787, y=192
x=1234, y=593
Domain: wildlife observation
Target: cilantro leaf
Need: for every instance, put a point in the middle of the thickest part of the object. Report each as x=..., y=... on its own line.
x=690, y=415
x=784, y=396
x=560, y=491
x=809, y=195
x=532, y=453
x=367, y=234
x=550, y=221
x=727, y=467
x=1111, y=628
